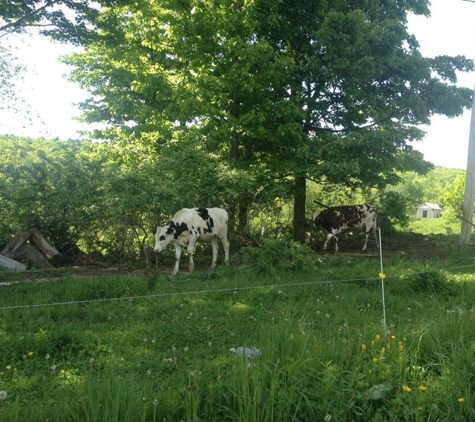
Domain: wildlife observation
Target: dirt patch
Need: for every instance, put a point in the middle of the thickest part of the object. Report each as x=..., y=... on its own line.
x=406, y=245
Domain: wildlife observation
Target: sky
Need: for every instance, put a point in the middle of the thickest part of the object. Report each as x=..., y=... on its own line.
x=449, y=31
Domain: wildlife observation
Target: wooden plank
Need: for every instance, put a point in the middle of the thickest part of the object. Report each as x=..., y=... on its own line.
x=20, y=238
x=11, y=264
x=49, y=251
x=32, y=254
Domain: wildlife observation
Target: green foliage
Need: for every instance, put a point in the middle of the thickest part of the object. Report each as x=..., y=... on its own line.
x=275, y=256
x=248, y=77
x=10, y=73
x=434, y=282
x=453, y=199
x=392, y=209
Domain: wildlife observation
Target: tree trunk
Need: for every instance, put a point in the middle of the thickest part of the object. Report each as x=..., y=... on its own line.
x=300, y=197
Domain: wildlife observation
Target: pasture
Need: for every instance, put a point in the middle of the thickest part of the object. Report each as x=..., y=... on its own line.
x=140, y=345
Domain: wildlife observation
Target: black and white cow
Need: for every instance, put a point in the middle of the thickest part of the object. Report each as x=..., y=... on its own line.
x=190, y=225
x=337, y=219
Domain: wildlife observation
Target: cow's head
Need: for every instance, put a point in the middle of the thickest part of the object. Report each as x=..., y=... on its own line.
x=163, y=236
x=315, y=220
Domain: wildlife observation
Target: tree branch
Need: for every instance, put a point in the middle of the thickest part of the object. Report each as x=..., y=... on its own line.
x=12, y=26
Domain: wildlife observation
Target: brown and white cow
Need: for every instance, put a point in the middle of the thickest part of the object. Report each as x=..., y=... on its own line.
x=190, y=225
x=337, y=219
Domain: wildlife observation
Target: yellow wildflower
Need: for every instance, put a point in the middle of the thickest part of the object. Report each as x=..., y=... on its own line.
x=422, y=388
x=30, y=354
x=363, y=347
x=406, y=388
x=461, y=400
x=383, y=350
x=393, y=337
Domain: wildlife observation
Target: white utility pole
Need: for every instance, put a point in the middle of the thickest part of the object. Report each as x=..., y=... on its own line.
x=467, y=213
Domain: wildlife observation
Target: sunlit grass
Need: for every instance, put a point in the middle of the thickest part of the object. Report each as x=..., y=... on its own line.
x=325, y=354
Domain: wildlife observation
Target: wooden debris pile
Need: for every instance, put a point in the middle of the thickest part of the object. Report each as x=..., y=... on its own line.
x=30, y=247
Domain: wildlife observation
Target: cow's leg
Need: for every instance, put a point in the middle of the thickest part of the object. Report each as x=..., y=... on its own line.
x=366, y=241
x=214, y=245
x=328, y=237
x=225, y=242
x=190, y=250
x=336, y=243
x=177, y=258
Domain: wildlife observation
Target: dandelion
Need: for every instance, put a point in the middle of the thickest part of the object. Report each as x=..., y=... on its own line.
x=422, y=388
x=53, y=367
x=30, y=354
x=8, y=367
x=47, y=356
x=91, y=360
x=185, y=348
x=155, y=402
x=393, y=337
x=406, y=388
x=327, y=418
x=461, y=400
x=3, y=395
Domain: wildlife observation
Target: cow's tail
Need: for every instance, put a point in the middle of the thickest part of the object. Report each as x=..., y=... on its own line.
x=322, y=205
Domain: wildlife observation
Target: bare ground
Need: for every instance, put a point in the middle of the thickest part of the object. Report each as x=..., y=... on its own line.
x=409, y=245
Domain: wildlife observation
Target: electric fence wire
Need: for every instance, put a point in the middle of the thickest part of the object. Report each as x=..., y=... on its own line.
x=230, y=289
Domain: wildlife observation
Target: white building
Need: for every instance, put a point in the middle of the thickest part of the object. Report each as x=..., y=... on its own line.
x=428, y=210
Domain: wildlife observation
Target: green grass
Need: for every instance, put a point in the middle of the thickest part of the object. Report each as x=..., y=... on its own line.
x=434, y=226
x=160, y=349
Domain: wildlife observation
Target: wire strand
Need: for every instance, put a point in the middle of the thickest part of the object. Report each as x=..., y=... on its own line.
x=234, y=289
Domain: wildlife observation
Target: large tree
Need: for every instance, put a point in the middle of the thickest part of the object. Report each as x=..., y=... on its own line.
x=289, y=89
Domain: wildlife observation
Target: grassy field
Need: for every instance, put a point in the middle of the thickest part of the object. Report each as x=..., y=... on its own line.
x=140, y=346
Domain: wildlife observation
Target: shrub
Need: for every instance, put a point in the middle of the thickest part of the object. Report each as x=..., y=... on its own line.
x=274, y=256
x=433, y=282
